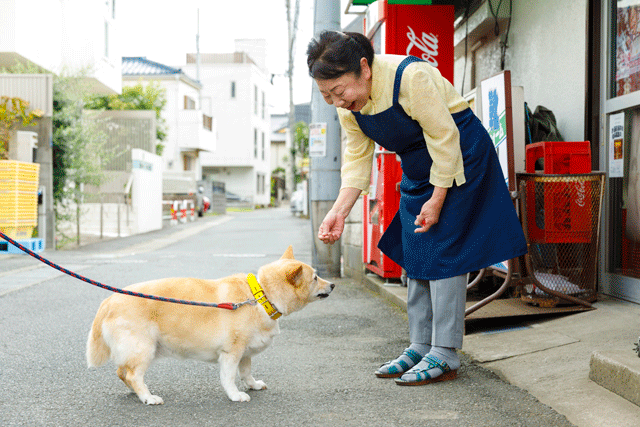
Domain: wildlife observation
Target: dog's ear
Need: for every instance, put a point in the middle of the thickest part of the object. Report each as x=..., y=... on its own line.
x=294, y=276
x=288, y=254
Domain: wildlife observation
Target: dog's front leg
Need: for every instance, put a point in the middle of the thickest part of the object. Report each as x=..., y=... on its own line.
x=245, y=375
x=228, y=368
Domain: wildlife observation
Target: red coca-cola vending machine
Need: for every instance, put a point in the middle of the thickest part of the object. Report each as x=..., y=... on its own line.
x=402, y=27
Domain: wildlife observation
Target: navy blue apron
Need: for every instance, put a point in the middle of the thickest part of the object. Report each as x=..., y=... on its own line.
x=478, y=224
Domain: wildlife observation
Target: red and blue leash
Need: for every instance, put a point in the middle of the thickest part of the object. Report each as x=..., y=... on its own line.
x=224, y=305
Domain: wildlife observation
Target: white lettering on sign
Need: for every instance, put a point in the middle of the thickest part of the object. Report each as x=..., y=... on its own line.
x=582, y=193
x=428, y=45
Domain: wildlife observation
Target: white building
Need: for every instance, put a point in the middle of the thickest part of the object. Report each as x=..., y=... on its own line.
x=63, y=35
x=235, y=87
x=190, y=131
x=280, y=142
x=57, y=36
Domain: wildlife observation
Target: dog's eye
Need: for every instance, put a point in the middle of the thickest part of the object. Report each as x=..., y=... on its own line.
x=315, y=277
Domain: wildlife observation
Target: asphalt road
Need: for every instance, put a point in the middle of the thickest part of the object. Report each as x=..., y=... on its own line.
x=319, y=371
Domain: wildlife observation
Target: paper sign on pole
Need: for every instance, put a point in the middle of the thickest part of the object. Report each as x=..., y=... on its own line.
x=317, y=139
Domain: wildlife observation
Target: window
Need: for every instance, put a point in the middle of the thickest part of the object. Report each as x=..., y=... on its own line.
x=255, y=143
x=255, y=100
x=189, y=103
x=627, y=73
x=260, y=183
x=233, y=90
x=263, y=147
x=263, y=106
x=188, y=162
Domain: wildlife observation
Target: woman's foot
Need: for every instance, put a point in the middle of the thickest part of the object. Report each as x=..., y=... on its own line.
x=433, y=368
x=409, y=358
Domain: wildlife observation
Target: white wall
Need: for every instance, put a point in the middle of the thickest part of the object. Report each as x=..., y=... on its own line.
x=546, y=56
x=146, y=190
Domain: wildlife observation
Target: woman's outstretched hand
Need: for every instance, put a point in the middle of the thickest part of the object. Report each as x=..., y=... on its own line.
x=331, y=228
x=333, y=224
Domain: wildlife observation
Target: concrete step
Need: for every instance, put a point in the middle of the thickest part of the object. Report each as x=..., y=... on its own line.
x=618, y=371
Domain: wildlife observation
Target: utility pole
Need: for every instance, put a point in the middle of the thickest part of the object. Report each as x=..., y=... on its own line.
x=198, y=61
x=292, y=31
x=324, y=182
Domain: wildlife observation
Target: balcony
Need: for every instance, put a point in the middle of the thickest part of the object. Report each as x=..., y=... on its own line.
x=196, y=131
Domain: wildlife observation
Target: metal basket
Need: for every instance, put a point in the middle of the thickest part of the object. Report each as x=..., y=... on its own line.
x=560, y=216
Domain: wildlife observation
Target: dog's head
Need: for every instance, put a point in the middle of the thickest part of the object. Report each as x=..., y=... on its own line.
x=291, y=284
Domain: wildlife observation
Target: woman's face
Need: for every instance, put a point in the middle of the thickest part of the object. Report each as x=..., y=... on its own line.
x=348, y=91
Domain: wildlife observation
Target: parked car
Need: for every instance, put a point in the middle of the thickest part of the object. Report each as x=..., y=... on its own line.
x=297, y=202
x=236, y=198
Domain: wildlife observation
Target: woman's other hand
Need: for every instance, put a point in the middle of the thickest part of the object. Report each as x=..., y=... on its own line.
x=430, y=212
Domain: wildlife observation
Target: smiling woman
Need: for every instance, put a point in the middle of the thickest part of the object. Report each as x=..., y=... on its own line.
x=455, y=213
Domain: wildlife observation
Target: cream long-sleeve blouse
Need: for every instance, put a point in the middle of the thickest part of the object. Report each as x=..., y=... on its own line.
x=426, y=97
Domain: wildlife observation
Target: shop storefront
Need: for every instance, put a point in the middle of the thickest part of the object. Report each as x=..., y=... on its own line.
x=620, y=148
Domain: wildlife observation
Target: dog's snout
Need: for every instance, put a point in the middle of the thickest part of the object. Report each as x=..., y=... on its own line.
x=332, y=286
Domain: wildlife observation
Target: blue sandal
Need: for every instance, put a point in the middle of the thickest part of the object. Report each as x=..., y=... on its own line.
x=422, y=376
x=393, y=371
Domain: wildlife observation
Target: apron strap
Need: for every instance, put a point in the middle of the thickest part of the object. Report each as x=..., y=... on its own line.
x=396, y=84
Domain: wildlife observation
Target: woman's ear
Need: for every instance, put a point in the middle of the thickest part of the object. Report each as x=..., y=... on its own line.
x=365, y=69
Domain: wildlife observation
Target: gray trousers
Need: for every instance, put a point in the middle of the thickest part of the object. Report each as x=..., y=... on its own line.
x=436, y=311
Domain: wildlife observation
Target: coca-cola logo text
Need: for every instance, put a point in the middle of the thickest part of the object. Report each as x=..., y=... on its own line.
x=428, y=44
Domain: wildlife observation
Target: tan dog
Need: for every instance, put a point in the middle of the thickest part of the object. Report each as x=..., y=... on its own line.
x=134, y=331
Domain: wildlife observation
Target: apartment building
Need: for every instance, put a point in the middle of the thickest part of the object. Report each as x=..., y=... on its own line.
x=235, y=89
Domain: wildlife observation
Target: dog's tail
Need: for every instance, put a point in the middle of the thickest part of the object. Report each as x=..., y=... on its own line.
x=98, y=352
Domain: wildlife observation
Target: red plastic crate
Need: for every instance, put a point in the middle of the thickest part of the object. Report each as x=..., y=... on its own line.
x=561, y=213
x=560, y=157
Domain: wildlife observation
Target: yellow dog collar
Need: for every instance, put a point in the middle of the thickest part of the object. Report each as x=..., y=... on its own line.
x=259, y=295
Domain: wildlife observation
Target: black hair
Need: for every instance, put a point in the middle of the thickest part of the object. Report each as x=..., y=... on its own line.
x=334, y=53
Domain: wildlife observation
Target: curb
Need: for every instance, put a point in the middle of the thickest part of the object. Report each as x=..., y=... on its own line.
x=618, y=372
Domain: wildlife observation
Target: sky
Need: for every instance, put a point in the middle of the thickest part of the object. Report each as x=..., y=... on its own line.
x=165, y=30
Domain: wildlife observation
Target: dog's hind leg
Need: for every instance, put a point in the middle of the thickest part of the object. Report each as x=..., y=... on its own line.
x=122, y=374
x=245, y=375
x=133, y=377
x=228, y=368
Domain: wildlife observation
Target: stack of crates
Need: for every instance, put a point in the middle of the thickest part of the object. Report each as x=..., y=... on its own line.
x=562, y=210
x=18, y=198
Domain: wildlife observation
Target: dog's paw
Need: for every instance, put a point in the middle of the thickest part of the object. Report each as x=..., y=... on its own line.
x=258, y=385
x=240, y=397
x=153, y=400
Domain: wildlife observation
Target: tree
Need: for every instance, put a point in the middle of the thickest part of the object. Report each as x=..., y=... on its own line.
x=138, y=97
x=299, y=148
x=13, y=113
x=80, y=151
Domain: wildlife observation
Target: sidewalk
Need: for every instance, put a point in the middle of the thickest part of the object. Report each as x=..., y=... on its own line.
x=554, y=357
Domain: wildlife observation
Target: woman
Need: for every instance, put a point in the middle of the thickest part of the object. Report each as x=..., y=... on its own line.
x=455, y=213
